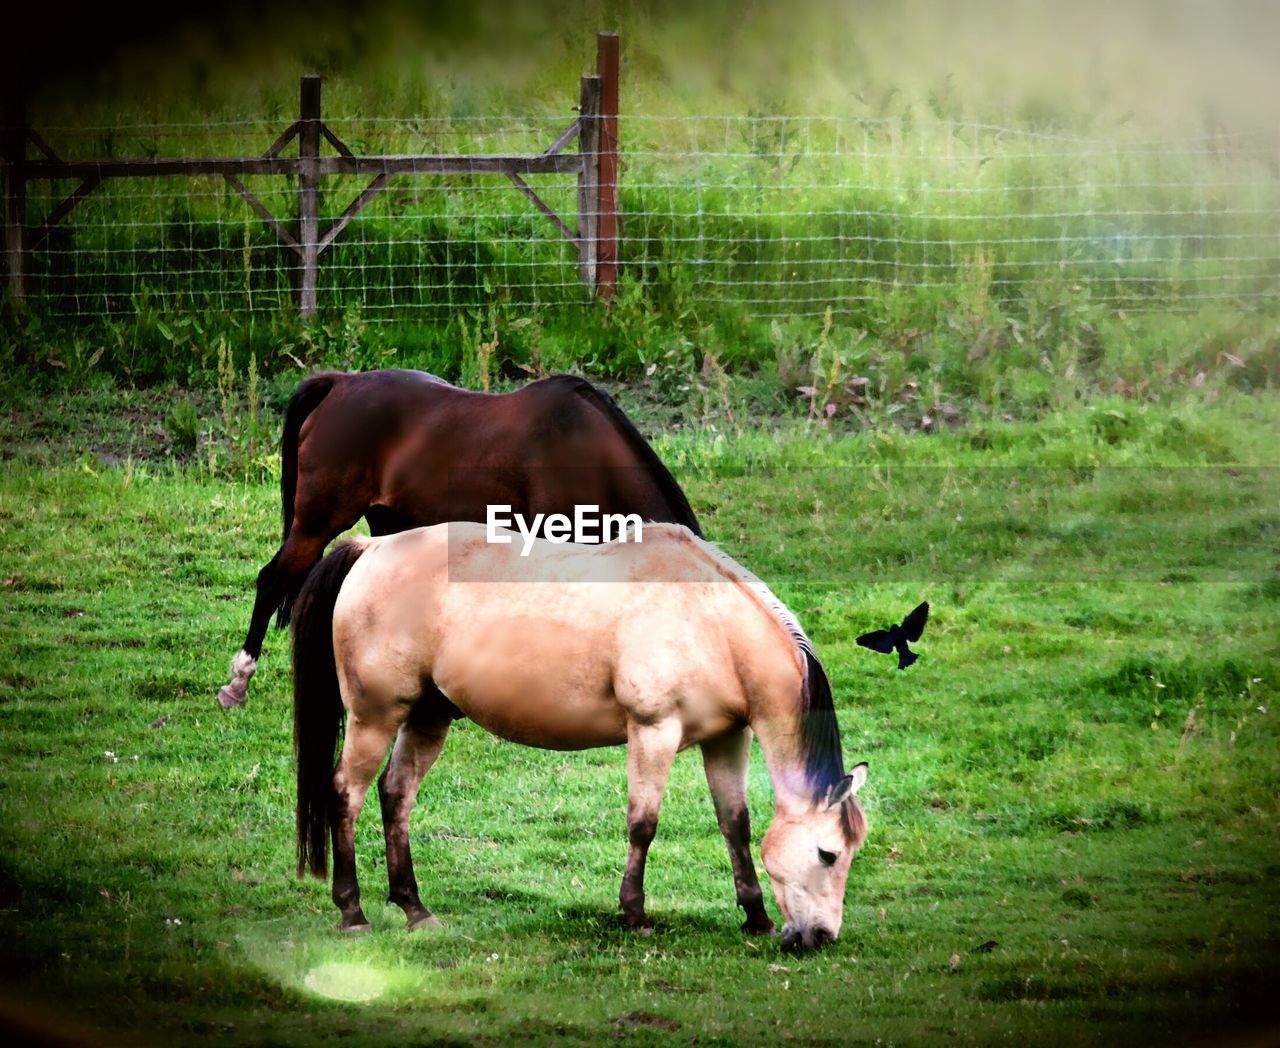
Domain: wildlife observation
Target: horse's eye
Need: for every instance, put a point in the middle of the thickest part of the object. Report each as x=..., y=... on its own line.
x=826, y=858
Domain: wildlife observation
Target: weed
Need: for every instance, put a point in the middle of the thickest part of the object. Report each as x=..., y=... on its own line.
x=476, y=370
x=183, y=427
x=240, y=440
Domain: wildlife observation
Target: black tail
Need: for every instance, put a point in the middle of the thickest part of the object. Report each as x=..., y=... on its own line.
x=305, y=399
x=317, y=703
x=671, y=490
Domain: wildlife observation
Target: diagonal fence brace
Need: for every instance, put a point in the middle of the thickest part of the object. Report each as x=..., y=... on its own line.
x=354, y=208
x=541, y=205
x=274, y=224
x=286, y=136
x=36, y=237
x=568, y=135
x=336, y=142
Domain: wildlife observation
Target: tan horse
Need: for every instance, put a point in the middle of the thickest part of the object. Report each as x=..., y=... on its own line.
x=659, y=645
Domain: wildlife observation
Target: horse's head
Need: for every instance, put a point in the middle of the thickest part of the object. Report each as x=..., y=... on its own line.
x=807, y=855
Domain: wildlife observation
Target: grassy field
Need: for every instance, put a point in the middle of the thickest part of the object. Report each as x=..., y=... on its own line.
x=1073, y=796
x=967, y=303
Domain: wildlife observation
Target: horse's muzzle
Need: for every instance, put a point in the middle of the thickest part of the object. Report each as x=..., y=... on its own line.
x=796, y=941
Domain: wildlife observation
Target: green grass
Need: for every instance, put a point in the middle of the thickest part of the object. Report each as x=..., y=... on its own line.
x=1079, y=769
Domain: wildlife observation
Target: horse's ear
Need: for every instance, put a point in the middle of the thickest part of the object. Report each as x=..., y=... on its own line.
x=848, y=786
x=858, y=773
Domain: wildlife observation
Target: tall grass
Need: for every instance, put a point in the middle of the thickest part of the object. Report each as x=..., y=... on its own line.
x=745, y=215
x=936, y=204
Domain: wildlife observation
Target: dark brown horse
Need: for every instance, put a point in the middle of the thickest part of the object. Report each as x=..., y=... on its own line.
x=404, y=449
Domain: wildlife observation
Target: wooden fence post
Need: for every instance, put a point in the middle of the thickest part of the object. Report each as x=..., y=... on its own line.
x=13, y=145
x=607, y=223
x=588, y=178
x=308, y=195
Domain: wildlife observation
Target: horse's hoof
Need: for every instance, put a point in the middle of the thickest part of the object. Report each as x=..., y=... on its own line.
x=640, y=925
x=430, y=920
x=229, y=697
x=355, y=929
x=765, y=927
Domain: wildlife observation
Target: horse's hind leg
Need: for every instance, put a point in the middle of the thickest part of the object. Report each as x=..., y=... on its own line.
x=363, y=750
x=280, y=578
x=725, y=761
x=417, y=746
x=651, y=749
x=245, y=664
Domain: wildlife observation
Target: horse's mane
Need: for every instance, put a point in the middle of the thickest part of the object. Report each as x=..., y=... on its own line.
x=819, y=730
x=667, y=484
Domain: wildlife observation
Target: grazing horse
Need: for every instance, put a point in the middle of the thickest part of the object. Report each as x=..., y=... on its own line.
x=404, y=449
x=657, y=645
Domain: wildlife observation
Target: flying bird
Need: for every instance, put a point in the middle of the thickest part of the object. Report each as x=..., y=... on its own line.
x=896, y=638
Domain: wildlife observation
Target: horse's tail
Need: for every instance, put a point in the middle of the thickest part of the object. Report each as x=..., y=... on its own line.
x=306, y=398
x=667, y=484
x=317, y=702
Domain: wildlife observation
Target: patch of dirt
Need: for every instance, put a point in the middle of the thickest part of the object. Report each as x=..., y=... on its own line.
x=108, y=426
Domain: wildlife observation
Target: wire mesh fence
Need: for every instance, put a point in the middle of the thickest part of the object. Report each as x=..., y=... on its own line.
x=759, y=215
x=192, y=243
x=796, y=215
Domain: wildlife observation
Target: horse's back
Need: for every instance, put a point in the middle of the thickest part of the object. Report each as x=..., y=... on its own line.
x=555, y=650
x=363, y=412
x=366, y=397
x=429, y=452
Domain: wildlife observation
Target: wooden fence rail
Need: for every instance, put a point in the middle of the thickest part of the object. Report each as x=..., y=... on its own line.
x=595, y=163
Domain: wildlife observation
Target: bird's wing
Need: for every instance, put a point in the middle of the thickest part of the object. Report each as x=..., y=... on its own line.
x=877, y=640
x=913, y=624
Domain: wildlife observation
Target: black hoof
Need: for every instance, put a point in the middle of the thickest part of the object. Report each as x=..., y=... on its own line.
x=638, y=923
x=354, y=927
x=754, y=926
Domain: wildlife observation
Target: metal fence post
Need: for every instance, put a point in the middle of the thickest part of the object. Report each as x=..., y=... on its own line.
x=607, y=223
x=588, y=178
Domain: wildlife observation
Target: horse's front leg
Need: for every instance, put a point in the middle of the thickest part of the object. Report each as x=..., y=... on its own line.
x=725, y=760
x=363, y=750
x=417, y=747
x=651, y=748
